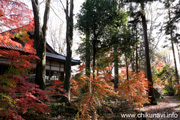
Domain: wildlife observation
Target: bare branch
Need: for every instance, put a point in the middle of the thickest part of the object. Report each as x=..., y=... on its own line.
x=63, y=6
x=41, y=2
x=56, y=13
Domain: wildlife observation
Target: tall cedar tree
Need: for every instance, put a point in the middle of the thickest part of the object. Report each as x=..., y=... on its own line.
x=40, y=41
x=146, y=44
x=83, y=25
x=109, y=35
x=116, y=66
x=148, y=64
x=134, y=24
x=69, y=41
x=177, y=12
x=118, y=23
x=95, y=15
x=169, y=30
x=177, y=19
x=119, y=36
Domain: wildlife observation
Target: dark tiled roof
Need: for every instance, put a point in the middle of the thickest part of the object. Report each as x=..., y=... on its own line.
x=48, y=54
x=13, y=43
x=56, y=56
x=76, y=61
x=19, y=46
x=10, y=46
x=60, y=57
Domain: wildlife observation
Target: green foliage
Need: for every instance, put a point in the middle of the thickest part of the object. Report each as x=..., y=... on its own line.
x=170, y=26
x=166, y=73
x=95, y=20
x=95, y=15
x=167, y=78
x=82, y=49
x=154, y=74
x=118, y=32
x=170, y=90
x=177, y=12
x=140, y=1
x=57, y=109
x=110, y=28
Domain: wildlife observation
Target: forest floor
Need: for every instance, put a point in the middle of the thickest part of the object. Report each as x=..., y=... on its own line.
x=166, y=109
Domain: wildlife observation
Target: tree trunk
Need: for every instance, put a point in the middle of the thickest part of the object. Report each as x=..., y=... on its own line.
x=172, y=43
x=94, y=55
x=137, y=59
x=132, y=60
x=88, y=56
x=178, y=51
x=88, y=59
x=136, y=53
x=94, y=60
x=116, y=67
x=148, y=65
x=140, y=56
x=176, y=71
x=127, y=74
x=40, y=42
x=69, y=40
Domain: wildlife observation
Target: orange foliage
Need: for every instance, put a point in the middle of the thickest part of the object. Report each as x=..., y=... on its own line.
x=135, y=89
x=6, y=41
x=14, y=15
x=159, y=83
x=159, y=65
x=92, y=92
x=58, y=86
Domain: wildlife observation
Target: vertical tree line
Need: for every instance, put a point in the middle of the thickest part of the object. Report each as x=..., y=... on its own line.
x=69, y=42
x=40, y=40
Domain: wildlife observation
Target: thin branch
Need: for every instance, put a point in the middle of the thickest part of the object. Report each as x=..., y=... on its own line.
x=56, y=13
x=63, y=6
x=41, y=2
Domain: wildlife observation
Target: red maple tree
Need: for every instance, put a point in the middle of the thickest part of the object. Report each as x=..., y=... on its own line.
x=14, y=14
x=17, y=96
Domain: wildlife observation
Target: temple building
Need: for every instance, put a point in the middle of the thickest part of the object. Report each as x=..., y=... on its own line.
x=55, y=62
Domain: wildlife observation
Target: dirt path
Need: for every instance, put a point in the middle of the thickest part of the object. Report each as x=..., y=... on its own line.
x=167, y=109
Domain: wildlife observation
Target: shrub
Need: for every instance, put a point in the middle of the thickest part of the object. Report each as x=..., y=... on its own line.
x=98, y=93
x=17, y=96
